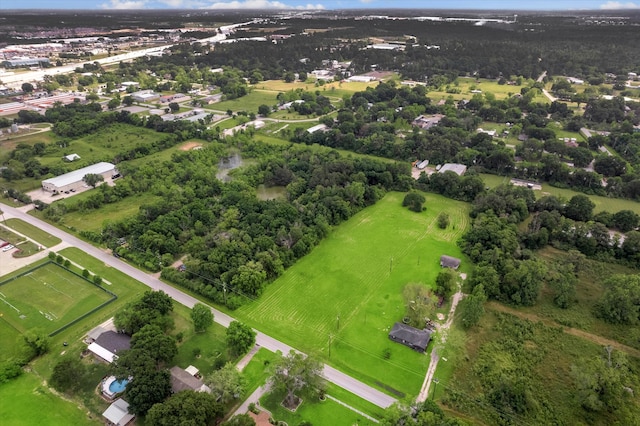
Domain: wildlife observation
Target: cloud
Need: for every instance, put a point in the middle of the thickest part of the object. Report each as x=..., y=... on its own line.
x=260, y=4
x=616, y=5
x=182, y=3
x=367, y=1
x=124, y=4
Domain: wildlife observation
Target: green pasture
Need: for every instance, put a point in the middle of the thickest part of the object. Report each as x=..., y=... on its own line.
x=47, y=298
x=611, y=205
x=36, y=234
x=27, y=402
x=341, y=300
x=346, y=87
x=465, y=85
x=248, y=103
x=11, y=142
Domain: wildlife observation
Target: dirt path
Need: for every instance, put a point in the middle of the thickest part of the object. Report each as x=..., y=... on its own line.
x=599, y=340
x=435, y=358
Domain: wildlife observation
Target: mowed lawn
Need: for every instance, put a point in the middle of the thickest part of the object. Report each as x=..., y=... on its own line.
x=349, y=290
x=26, y=402
x=47, y=298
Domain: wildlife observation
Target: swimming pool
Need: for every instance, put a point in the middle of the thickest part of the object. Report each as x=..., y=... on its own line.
x=111, y=386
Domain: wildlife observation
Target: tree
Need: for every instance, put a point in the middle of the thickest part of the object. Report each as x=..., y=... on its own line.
x=264, y=110
x=625, y=220
x=471, y=308
x=249, y=278
x=443, y=220
x=296, y=373
x=127, y=101
x=159, y=346
x=92, y=179
x=152, y=308
x=602, y=382
x=37, y=342
x=186, y=408
x=113, y=103
x=620, y=303
x=147, y=389
x=174, y=106
x=202, y=317
x=27, y=87
x=240, y=338
x=227, y=383
x=413, y=201
x=579, y=207
x=420, y=304
x=446, y=282
x=66, y=374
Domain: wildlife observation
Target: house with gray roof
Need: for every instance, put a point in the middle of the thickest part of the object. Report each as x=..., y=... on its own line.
x=449, y=262
x=409, y=336
x=182, y=380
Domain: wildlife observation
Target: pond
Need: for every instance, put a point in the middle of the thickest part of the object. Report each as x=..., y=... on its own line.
x=226, y=164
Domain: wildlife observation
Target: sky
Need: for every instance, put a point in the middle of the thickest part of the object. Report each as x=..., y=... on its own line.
x=321, y=4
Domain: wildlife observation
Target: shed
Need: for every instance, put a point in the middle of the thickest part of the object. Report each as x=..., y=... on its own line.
x=118, y=413
x=449, y=262
x=410, y=336
x=71, y=157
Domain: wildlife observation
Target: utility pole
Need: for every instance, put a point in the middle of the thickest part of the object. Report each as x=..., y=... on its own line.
x=224, y=289
x=330, y=338
x=435, y=385
x=338, y=322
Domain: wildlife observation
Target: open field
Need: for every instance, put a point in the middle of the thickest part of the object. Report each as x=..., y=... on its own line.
x=248, y=103
x=93, y=220
x=48, y=298
x=465, y=85
x=26, y=402
x=612, y=205
x=539, y=355
x=43, y=238
x=333, y=87
x=341, y=300
x=11, y=340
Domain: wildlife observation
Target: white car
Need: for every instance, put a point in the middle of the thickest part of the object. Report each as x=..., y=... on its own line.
x=7, y=248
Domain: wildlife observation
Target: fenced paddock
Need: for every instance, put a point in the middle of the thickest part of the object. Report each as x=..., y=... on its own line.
x=49, y=297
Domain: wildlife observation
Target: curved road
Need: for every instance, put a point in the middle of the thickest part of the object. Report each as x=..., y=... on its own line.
x=354, y=386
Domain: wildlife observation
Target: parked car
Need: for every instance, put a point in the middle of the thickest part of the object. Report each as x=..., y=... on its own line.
x=7, y=248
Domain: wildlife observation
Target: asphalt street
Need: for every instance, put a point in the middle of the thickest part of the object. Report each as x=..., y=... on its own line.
x=331, y=374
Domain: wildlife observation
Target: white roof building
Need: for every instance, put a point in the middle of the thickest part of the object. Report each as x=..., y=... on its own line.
x=74, y=178
x=118, y=413
x=458, y=169
x=316, y=128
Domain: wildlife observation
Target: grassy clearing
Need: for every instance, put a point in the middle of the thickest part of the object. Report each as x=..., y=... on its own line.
x=337, y=88
x=257, y=370
x=210, y=344
x=27, y=402
x=47, y=298
x=612, y=205
x=10, y=143
x=349, y=290
x=94, y=220
x=248, y=103
x=321, y=413
x=43, y=238
x=464, y=87
x=11, y=340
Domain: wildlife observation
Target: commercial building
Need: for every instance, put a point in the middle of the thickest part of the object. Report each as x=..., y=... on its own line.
x=24, y=62
x=73, y=180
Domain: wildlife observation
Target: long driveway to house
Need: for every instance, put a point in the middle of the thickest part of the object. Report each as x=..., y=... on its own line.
x=354, y=386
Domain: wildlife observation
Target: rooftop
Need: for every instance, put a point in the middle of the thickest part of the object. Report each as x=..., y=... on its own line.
x=77, y=175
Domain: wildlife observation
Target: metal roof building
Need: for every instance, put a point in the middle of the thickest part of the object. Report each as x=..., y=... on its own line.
x=73, y=180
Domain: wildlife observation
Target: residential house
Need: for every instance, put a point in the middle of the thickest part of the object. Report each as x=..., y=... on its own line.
x=410, y=336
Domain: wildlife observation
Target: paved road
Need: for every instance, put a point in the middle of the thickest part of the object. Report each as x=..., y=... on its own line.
x=331, y=374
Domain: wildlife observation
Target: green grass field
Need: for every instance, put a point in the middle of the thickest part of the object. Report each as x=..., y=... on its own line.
x=26, y=402
x=350, y=288
x=43, y=238
x=611, y=205
x=47, y=298
x=248, y=103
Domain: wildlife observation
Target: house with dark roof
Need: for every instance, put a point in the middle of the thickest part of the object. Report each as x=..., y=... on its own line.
x=182, y=380
x=108, y=344
x=449, y=262
x=410, y=336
